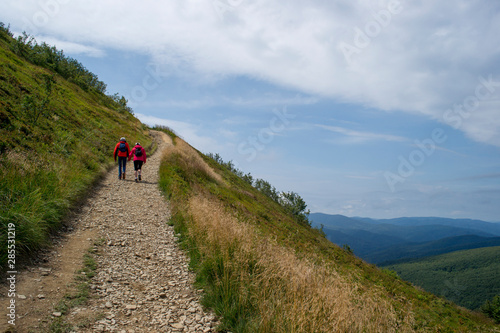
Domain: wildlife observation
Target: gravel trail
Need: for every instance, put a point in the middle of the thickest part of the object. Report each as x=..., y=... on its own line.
x=142, y=283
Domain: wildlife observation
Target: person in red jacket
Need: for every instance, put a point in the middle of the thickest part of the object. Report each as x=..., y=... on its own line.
x=139, y=155
x=122, y=150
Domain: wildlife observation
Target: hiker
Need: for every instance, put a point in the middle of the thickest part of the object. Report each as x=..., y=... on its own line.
x=122, y=151
x=139, y=155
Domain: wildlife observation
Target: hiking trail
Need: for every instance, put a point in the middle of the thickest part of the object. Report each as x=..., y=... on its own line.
x=142, y=282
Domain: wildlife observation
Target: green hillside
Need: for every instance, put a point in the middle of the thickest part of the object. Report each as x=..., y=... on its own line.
x=468, y=278
x=57, y=134
x=264, y=269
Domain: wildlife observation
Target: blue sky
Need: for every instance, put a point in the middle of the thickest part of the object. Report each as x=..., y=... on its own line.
x=365, y=108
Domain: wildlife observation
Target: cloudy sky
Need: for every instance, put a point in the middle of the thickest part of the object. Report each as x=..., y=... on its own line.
x=365, y=108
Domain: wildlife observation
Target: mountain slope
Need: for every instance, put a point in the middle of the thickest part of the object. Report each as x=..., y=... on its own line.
x=264, y=271
x=445, y=245
x=362, y=242
x=487, y=227
x=57, y=136
x=418, y=232
x=378, y=241
x=468, y=277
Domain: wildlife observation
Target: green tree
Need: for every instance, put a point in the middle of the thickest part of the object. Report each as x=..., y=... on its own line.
x=492, y=309
x=121, y=101
x=248, y=178
x=5, y=32
x=33, y=107
x=347, y=248
x=267, y=189
x=49, y=57
x=295, y=204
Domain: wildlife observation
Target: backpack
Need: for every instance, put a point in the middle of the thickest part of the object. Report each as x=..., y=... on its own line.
x=138, y=151
x=122, y=147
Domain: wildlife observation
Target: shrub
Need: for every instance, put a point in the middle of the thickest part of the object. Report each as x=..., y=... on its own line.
x=492, y=309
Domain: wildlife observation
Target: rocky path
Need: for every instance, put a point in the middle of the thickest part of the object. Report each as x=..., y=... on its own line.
x=142, y=283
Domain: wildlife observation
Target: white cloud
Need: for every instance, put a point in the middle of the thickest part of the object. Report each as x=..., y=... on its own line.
x=247, y=102
x=71, y=48
x=179, y=104
x=415, y=60
x=188, y=132
x=270, y=100
x=483, y=124
x=360, y=137
x=228, y=134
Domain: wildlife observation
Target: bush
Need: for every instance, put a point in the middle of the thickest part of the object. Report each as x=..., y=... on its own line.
x=291, y=201
x=53, y=59
x=492, y=309
x=295, y=205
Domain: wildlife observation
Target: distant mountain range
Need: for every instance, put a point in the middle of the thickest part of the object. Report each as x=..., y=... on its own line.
x=391, y=240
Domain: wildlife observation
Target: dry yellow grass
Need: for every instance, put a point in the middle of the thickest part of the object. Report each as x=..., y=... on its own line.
x=293, y=295
x=193, y=159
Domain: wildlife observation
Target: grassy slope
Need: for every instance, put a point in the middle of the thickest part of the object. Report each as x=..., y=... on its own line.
x=468, y=277
x=262, y=271
x=48, y=164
